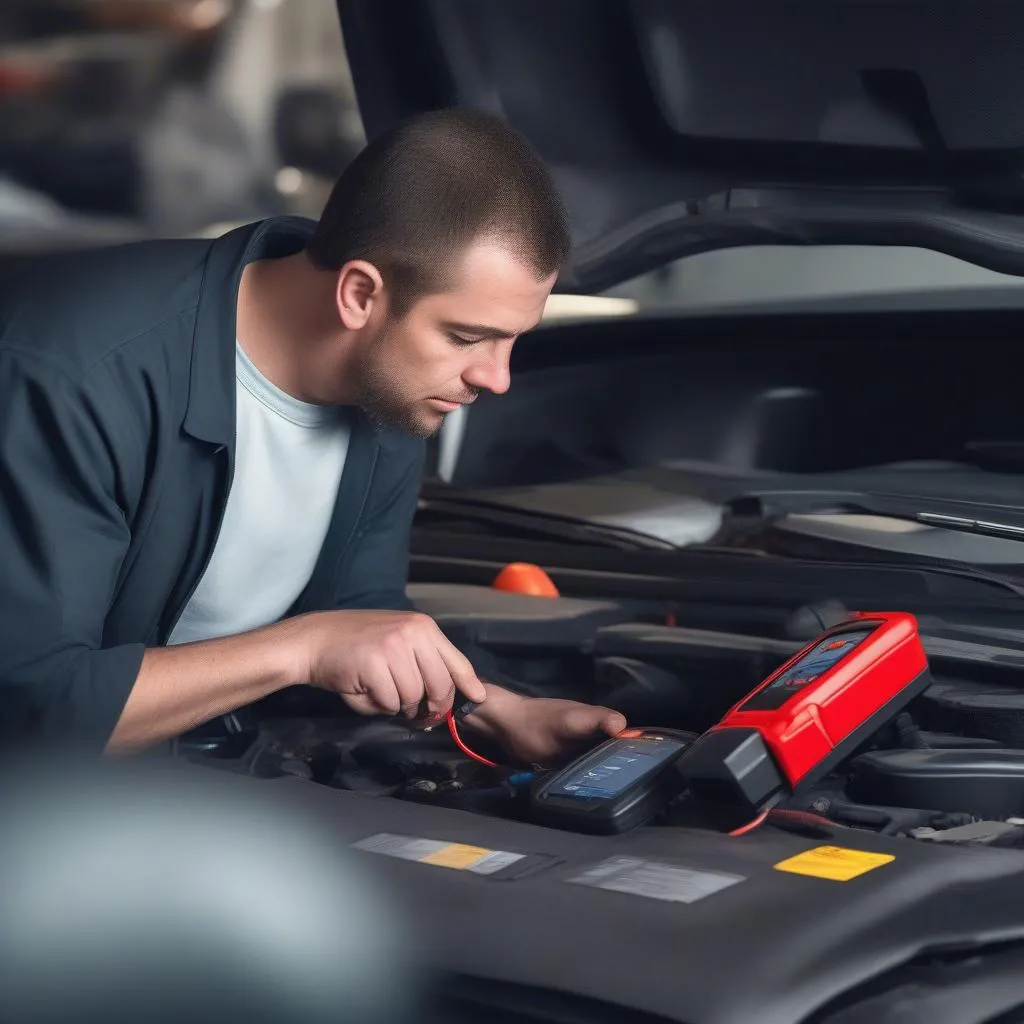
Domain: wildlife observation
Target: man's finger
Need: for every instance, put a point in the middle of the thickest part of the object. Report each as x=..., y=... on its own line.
x=585, y=721
x=437, y=680
x=379, y=686
x=613, y=723
x=362, y=704
x=408, y=680
x=462, y=673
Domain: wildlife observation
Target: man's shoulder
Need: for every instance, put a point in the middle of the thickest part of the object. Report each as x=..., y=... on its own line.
x=77, y=308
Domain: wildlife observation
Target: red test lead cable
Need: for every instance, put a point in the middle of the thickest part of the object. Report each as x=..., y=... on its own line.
x=453, y=728
x=750, y=825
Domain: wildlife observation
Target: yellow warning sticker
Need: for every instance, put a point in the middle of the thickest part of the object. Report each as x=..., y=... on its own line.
x=834, y=862
x=456, y=855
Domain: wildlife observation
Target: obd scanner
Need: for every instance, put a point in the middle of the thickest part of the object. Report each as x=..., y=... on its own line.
x=621, y=784
x=806, y=718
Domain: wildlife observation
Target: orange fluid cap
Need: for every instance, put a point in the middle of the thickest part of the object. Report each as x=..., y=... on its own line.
x=524, y=578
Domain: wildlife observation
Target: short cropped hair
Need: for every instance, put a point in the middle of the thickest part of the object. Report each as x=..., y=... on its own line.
x=420, y=194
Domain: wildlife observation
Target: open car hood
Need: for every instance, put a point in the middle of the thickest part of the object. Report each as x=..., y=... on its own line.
x=680, y=126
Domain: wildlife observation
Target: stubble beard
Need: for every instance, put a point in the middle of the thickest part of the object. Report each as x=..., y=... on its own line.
x=404, y=419
x=383, y=401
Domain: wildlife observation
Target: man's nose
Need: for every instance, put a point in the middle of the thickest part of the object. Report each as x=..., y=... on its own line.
x=490, y=374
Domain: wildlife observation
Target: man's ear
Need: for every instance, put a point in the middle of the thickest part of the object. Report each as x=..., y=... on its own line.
x=360, y=289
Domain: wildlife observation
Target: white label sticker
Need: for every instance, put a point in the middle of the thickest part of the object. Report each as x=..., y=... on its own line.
x=494, y=862
x=405, y=847
x=655, y=880
x=458, y=856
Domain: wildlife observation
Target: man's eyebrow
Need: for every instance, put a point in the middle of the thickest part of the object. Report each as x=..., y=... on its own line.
x=480, y=331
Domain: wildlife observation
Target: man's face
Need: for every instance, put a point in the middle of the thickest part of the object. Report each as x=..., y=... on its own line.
x=451, y=345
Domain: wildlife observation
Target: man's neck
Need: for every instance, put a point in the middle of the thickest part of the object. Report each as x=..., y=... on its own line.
x=287, y=325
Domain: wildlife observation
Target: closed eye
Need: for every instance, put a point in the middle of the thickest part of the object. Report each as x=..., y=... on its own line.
x=457, y=339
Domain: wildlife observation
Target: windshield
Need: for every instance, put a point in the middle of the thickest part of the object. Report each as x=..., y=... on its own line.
x=919, y=400
x=832, y=277
x=862, y=372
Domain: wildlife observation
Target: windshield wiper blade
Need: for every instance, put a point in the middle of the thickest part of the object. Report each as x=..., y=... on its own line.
x=767, y=507
x=948, y=522
x=948, y=513
x=546, y=524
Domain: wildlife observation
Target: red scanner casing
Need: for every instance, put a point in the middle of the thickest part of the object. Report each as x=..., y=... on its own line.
x=835, y=693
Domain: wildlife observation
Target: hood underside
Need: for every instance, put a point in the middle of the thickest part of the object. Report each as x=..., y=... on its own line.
x=680, y=126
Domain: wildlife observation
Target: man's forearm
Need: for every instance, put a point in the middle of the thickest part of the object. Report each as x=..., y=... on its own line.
x=180, y=687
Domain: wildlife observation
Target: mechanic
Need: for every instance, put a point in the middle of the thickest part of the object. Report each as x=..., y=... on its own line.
x=211, y=450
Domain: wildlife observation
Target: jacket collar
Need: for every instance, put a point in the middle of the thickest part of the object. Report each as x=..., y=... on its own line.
x=210, y=414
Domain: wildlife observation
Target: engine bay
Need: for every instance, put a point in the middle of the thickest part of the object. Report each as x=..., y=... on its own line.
x=949, y=768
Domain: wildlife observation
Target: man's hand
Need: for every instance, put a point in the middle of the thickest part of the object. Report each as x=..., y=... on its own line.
x=541, y=730
x=386, y=662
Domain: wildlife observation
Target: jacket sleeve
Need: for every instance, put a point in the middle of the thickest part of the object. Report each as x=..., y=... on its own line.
x=378, y=561
x=63, y=537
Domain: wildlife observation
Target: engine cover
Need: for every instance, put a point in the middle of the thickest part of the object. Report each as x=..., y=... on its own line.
x=985, y=710
x=984, y=782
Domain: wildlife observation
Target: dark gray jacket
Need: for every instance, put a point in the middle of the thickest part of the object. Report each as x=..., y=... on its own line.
x=117, y=440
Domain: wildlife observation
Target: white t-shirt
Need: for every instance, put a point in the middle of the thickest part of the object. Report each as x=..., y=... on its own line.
x=289, y=456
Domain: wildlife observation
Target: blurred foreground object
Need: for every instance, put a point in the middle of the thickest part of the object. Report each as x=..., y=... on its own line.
x=154, y=894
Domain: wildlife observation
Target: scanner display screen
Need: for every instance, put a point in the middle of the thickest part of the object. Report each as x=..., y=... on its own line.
x=620, y=766
x=815, y=663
